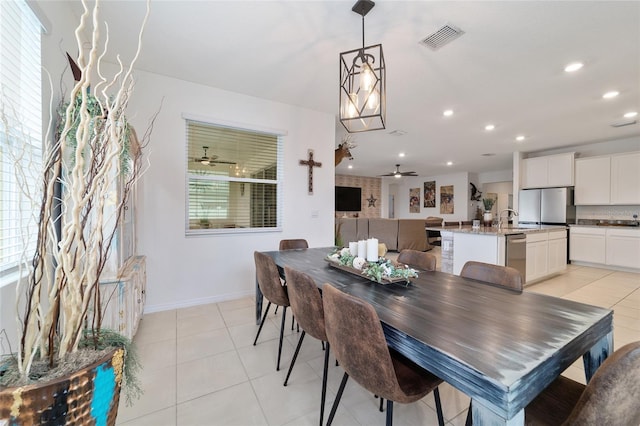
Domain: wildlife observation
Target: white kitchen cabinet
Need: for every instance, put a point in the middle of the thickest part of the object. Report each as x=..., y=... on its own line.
x=623, y=247
x=587, y=244
x=610, y=179
x=557, y=251
x=548, y=171
x=625, y=178
x=537, y=256
x=593, y=181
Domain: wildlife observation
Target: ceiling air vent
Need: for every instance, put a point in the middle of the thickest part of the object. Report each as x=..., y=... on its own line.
x=623, y=123
x=444, y=35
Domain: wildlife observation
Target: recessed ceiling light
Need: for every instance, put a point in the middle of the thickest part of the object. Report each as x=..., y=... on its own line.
x=401, y=154
x=611, y=94
x=398, y=132
x=489, y=127
x=449, y=163
x=488, y=154
x=574, y=66
x=350, y=166
x=630, y=114
x=519, y=138
x=448, y=113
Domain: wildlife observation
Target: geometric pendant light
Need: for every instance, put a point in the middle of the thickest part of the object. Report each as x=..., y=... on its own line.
x=363, y=83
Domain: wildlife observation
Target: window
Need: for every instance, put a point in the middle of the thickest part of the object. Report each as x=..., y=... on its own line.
x=20, y=131
x=233, y=179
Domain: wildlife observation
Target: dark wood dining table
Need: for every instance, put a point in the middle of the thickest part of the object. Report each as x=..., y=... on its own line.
x=500, y=347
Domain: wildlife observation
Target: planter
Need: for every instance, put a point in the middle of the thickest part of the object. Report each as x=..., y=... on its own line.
x=487, y=218
x=87, y=397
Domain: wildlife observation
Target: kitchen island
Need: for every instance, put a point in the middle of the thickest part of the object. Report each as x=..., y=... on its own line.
x=546, y=252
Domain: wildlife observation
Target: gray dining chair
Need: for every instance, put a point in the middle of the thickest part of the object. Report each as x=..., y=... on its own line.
x=356, y=336
x=272, y=289
x=418, y=259
x=612, y=396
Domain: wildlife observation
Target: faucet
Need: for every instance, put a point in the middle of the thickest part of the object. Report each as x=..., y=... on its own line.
x=515, y=213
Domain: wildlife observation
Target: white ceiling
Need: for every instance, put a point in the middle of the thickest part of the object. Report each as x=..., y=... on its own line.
x=506, y=70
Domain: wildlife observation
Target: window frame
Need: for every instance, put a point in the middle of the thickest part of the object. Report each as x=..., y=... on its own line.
x=280, y=136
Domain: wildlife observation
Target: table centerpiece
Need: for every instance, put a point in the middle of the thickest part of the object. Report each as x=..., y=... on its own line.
x=382, y=271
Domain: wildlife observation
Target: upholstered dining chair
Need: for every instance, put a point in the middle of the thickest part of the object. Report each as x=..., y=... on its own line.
x=293, y=244
x=306, y=305
x=612, y=396
x=505, y=276
x=272, y=289
x=418, y=259
x=356, y=337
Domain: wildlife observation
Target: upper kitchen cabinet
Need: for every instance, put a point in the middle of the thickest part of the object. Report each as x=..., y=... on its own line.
x=610, y=179
x=625, y=178
x=548, y=171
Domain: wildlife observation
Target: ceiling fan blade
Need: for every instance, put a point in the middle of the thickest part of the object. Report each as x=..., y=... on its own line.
x=223, y=162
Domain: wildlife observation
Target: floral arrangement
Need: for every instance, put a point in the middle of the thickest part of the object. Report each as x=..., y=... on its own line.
x=380, y=269
x=488, y=203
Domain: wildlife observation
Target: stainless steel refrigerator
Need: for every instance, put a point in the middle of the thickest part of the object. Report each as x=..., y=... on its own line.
x=547, y=206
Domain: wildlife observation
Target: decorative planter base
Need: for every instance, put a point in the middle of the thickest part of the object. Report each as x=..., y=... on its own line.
x=87, y=397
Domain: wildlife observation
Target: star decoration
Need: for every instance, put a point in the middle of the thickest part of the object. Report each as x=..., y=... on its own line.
x=372, y=201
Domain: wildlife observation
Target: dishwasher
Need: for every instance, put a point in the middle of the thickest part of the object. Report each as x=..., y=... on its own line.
x=516, y=254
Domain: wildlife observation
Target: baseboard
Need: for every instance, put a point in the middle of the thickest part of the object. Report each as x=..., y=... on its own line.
x=195, y=302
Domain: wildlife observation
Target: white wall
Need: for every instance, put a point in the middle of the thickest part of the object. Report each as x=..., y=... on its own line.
x=460, y=182
x=185, y=271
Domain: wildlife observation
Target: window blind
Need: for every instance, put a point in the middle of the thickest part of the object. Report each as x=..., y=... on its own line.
x=20, y=130
x=233, y=178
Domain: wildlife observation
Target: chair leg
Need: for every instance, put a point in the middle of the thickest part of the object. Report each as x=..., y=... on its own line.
x=262, y=323
x=323, y=396
x=381, y=402
x=337, y=400
x=284, y=317
x=276, y=311
x=469, y=420
x=389, y=412
x=295, y=356
x=436, y=397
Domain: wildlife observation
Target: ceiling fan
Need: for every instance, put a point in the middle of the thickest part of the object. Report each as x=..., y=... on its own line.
x=210, y=160
x=397, y=173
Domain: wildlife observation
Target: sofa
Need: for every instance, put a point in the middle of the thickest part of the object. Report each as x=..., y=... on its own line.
x=396, y=234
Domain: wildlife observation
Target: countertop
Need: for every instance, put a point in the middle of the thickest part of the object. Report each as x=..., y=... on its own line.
x=506, y=230
x=608, y=223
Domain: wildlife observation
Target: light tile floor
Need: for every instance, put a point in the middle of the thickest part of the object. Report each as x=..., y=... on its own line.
x=201, y=369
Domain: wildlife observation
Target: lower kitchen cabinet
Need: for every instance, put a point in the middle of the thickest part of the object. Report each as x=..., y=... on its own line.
x=546, y=254
x=623, y=248
x=587, y=244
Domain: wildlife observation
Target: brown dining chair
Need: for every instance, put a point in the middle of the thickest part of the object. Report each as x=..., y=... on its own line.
x=418, y=259
x=272, y=289
x=293, y=244
x=357, y=339
x=504, y=276
x=306, y=305
x=612, y=396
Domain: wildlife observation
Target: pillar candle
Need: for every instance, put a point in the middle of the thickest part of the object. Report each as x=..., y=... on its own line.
x=362, y=248
x=353, y=248
x=372, y=249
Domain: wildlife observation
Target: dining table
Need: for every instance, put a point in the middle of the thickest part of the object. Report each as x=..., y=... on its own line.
x=498, y=346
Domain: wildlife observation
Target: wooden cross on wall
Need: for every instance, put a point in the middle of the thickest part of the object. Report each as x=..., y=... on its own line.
x=311, y=164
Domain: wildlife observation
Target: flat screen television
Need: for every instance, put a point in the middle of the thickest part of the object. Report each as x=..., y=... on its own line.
x=348, y=199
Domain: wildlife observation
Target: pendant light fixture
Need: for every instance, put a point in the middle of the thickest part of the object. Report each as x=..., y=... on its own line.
x=363, y=83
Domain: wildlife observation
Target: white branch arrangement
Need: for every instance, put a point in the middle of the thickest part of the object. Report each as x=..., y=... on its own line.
x=60, y=292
